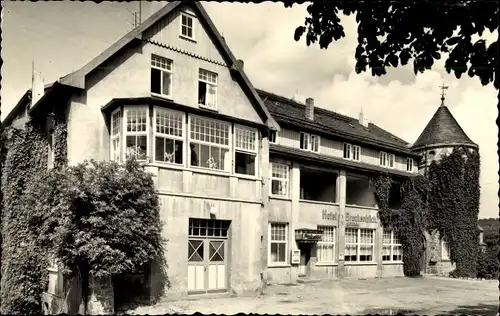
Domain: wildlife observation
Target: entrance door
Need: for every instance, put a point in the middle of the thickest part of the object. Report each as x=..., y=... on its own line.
x=207, y=262
x=305, y=257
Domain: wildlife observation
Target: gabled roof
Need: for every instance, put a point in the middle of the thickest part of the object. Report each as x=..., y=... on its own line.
x=443, y=130
x=77, y=78
x=287, y=111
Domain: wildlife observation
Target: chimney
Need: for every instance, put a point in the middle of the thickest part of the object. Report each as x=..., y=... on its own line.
x=37, y=88
x=362, y=119
x=238, y=65
x=310, y=109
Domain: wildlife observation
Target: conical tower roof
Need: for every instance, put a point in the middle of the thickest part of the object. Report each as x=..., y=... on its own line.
x=443, y=130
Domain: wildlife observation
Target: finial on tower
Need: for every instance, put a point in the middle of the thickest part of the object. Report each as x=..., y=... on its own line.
x=443, y=87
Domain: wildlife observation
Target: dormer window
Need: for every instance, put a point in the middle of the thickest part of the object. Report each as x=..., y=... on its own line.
x=309, y=142
x=352, y=152
x=187, y=26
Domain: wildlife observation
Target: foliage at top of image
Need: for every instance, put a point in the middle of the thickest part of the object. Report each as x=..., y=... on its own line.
x=393, y=32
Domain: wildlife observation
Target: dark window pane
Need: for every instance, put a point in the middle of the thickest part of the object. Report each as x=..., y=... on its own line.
x=204, y=155
x=155, y=80
x=202, y=92
x=244, y=163
x=160, y=149
x=195, y=250
x=195, y=149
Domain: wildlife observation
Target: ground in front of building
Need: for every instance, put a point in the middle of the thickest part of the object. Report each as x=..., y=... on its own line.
x=429, y=296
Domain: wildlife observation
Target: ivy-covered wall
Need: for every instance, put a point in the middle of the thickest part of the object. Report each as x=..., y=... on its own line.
x=446, y=199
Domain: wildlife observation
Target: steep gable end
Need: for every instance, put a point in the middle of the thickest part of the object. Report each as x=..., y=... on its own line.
x=183, y=27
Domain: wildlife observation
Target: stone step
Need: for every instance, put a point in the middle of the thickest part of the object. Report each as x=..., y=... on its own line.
x=307, y=280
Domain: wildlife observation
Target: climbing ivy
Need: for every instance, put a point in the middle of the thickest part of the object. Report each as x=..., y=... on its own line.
x=454, y=201
x=447, y=199
x=408, y=222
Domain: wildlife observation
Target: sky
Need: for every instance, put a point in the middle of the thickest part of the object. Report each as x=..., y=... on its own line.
x=62, y=36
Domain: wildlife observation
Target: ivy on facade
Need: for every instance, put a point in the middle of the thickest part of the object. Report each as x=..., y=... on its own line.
x=446, y=199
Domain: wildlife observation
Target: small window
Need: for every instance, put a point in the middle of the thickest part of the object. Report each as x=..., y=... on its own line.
x=245, y=146
x=272, y=137
x=392, y=249
x=356, y=152
x=347, y=151
x=315, y=143
x=383, y=158
x=278, y=243
x=187, y=26
x=136, y=133
x=207, y=89
x=409, y=164
x=279, y=179
x=390, y=160
x=161, y=76
x=304, y=141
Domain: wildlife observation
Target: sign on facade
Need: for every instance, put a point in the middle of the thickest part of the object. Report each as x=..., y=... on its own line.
x=295, y=256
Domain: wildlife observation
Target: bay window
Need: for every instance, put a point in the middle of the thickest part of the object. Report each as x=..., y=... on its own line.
x=245, y=147
x=278, y=243
x=210, y=144
x=325, y=248
x=136, y=132
x=169, y=136
x=359, y=244
x=392, y=249
x=279, y=179
x=116, y=129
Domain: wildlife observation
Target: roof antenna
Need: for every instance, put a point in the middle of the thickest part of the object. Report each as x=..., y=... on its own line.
x=443, y=87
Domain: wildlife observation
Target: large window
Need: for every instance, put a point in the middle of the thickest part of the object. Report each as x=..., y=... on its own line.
x=187, y=26
x=278, y=243
x=392, y=250
x=169, y=136
x=161, y=75
x=359, y=244
x=325, y=249
x=245, y=146
x=116, y=121
x=279, y=179
x=209, y=144
x=136, y=133
x=207, y=89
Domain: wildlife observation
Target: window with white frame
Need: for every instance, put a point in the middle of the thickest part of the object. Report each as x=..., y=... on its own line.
x=392, y=249
x=386, y=160
x=352, y=152
x=278, y=243
x=245, y=150
x=309, y=142
x=445, y=250
x=116, y=129
x=187, y=26
x=161, y=75
x=169, y=136
x=279, y=179
x=409, y=164
x=136, y=133
x=272, y=137
x=207, y=89
x=359, y=244
x=325, y=249
x=210, y=143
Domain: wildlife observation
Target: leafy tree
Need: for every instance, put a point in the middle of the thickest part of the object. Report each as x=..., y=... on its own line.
x=393, y=32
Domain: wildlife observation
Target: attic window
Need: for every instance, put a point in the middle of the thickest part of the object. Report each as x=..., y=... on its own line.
x=207, y=89
x=187, y=26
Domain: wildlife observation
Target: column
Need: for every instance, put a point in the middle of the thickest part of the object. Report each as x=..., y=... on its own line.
x=295, y=195
x=341, y=185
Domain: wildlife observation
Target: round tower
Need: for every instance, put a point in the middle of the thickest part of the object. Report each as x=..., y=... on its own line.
x=441, y=135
